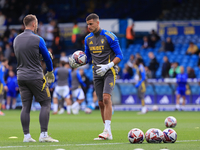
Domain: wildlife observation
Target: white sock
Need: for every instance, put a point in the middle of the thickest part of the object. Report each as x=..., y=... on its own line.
x=55, y=107
x=75, y=105
x=69, y=109
x=107, y=125
x=27, y=136
x=177, y=106
x=144, y=109
x=7, y=107
x=93, y=105
x=13, y=106
x=43, y=134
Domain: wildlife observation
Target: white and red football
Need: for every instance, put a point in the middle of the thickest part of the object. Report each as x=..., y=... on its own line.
x=79, y=57
x=154, y=136
x=135, y=136
x=88, y=111
x=170, y=122
x=170, y=136
x=147, y=134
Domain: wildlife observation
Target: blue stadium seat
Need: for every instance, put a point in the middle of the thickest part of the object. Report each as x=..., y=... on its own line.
x=195, y=89
x=127, y=89
x=149, y=90
x=163, y=89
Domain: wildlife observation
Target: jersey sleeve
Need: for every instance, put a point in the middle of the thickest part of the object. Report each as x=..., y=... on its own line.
x=87, y=51
x=70, y=78
x=143, y=73
x=55, y=74
x=45, y=55
x=2, y=76
x=114, y=44
x=16, y=84
x=79, y=79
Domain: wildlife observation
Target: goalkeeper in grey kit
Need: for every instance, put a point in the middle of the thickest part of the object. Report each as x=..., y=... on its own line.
x=102, y=47
x=27, y=47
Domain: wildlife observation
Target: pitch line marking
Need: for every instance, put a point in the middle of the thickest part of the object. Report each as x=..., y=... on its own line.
x=1, y=147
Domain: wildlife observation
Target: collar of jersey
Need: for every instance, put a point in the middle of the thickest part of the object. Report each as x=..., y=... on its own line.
x=28, y=30
x=97, y=33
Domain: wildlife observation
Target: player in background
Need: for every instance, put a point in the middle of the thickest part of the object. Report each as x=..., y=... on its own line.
x=12, y=90
x=140, y=85
x=77, y=91
x=181, y=80
x=92, y=106
x=31, y=80
x=3, y=85
x=102, y=47
x=62, y=89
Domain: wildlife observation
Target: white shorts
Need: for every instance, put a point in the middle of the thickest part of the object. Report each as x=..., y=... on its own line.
x=61, y=92
x=78, y=94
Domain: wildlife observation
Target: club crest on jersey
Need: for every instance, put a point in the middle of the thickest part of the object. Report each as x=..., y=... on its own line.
x=102, y=41
x=111, y=84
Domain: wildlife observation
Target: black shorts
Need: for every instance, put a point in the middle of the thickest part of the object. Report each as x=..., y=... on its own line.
x=141, y=91
x=37, y=88
x=104, y=84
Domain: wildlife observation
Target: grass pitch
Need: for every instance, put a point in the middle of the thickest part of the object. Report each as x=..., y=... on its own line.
x=78, y=131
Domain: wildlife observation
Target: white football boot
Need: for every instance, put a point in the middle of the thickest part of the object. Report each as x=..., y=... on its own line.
x=61, y=111
x=29, y=140
x=47, y=139
x=75, y=111
x=105, y=135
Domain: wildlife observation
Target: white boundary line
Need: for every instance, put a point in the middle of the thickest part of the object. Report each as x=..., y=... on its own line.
x=1, y=147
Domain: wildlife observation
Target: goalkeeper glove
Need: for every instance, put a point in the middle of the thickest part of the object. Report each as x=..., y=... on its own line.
x=50, y=77
x=73, y=64
x=104, y=68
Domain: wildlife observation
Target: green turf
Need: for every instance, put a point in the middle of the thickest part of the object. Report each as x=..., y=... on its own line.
x=77, y=131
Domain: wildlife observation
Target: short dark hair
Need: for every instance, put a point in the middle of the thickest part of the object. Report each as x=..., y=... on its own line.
x=138, y=61
x=92, y=16
x=63, y=63
x=4, y=60
x=28, y=19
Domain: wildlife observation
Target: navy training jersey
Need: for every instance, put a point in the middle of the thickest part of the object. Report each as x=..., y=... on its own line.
x=102, y=47
x=28, y=47
x=181, y=80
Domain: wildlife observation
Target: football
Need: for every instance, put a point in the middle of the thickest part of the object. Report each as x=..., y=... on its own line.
x=135, y=136
x=170, y=122
x=88, y=111
x=79, y=57
x=147, y=134
x=170, y=136
x=155, y=108
x=154, y=136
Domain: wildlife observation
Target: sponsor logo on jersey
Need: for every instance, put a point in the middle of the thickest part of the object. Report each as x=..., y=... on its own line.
x=164, y=100
x=91, y=42
x=102, y=41
x=96, y=48
x=130, y=100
